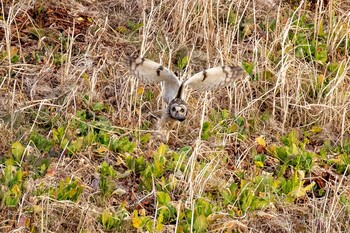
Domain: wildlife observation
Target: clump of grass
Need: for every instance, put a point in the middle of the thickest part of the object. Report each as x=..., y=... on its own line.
x=77, y=151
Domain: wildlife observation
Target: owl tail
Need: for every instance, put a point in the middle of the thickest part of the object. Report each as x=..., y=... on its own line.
x=180, y=91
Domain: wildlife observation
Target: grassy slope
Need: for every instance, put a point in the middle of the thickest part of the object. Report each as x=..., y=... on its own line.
x=270, y=155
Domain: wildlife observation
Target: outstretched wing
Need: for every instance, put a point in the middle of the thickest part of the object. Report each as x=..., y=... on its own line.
x=217, y=77
x=148, y=71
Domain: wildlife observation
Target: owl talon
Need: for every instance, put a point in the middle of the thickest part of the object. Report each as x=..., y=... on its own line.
x=162, y=136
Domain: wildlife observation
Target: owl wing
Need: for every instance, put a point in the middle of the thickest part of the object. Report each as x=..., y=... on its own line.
x=217, y=77
x=149, y=72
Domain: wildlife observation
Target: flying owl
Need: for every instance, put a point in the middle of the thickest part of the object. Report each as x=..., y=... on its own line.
x=148, y=72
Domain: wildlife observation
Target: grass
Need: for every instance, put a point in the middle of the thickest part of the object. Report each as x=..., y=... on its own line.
x=78, y=151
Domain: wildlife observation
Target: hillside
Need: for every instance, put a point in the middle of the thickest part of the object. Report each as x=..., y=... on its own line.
x=79, y=146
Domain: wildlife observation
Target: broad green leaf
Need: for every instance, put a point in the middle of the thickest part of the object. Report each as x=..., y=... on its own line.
x=161, y=150
x=295, y=150
x=200, y=224
x=321, y=54
x=17, y=150
x=163, y=198
x=182, y=63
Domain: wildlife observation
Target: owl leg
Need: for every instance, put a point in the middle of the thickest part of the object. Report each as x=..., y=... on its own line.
x=173, y=124
x=165, y=124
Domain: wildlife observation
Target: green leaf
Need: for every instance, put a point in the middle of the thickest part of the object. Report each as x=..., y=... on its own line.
x=109, y=221
x=225, y=114
x=248, y=67
x=17, y=151
x=206, y=128
x=259, y=203
x=122, y=29
x=200, y=224
x=133, y=25
x=161, y=150
x=15, y=58
x=90, y=137
x=160, y=219
x=41, y=142
x=232, y=18
x=321, y=54
x=281, y=153
x=182, y=63
x=121, y=145
x=145, y=138
x=295, y=150
x=163, y=198
x=98, y=106
x=77, y=145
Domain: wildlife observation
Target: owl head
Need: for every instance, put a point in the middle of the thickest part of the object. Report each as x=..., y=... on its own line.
x=177, y=109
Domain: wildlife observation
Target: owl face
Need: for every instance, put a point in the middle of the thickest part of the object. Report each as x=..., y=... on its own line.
x=177, y=109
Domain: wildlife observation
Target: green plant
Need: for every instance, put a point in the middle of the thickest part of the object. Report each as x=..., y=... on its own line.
x=40, y=141
x=76, y=145
x=223, y=123
x=121, y=145
x=17, y=151
x=67, y=189
x=11, y=184
x=111, y=221
x=136, y=165
x=59, y=137
x=182, y=62
x=166, y=212
x=206, y=130
x=142, y=222
x=293, y=153
x=133, y=26
x=159, y=162
x=309, y=45
x=249, y=68
x=341, y=163
x=294, y=187
x=106, y=182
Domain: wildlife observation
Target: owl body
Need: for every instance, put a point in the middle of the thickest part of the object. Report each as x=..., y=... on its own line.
x=148, y=71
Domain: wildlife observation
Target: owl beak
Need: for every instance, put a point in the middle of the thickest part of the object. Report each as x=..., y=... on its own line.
x=181, y=119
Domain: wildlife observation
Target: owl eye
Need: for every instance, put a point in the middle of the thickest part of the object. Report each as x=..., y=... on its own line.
x=173, y=109
x=182, y=110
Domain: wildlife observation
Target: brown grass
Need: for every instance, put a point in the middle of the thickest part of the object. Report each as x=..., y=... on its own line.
x=33, y=92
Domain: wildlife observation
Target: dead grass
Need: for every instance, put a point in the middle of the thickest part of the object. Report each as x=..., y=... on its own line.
x=55, y=53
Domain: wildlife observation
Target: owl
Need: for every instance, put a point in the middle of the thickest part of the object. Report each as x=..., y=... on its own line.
x=148, y=72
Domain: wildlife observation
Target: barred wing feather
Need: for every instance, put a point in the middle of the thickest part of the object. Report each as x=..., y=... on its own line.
x=149, y=72
x=217, y=77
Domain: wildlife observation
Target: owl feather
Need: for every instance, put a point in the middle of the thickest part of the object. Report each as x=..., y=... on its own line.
x=149, y=72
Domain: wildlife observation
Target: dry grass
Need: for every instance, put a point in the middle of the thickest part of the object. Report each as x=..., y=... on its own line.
x=55, y=53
